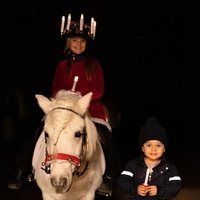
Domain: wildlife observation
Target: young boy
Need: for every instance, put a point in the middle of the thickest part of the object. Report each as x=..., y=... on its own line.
x=150, y=176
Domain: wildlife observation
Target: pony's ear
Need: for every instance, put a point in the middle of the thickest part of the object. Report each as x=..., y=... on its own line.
x=44, y=103
x=84, y=102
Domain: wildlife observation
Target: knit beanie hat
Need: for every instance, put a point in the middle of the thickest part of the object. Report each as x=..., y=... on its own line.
x=152, y=131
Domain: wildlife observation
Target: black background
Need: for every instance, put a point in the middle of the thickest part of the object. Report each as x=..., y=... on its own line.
x=143, y=49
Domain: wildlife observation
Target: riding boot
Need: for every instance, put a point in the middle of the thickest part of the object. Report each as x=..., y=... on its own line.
x=106, y=187
x=111, y=158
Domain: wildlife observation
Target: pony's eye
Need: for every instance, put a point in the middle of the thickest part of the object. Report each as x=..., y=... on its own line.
x=46, y=134
x=78, y=134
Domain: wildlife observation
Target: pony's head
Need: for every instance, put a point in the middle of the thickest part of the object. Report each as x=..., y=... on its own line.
x=70, y=136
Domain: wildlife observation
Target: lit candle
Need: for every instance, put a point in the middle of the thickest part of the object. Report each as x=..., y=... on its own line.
x=74, y=84
x=147, y=176
x=62, y=25
x=94, y=29
x=92, y=26
x=81, y=22
x=68, y=22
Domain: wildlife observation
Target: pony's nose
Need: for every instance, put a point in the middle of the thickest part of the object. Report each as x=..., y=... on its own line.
x=58, y=182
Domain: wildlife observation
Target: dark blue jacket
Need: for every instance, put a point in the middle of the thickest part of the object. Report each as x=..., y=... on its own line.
x=165, y=176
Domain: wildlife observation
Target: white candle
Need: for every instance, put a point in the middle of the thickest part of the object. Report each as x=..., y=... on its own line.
x=94, y=29
x=74, y=84
x=62, y=25
x=91, y=26
x=147, y=176
x=81, y=22
x=68, y=22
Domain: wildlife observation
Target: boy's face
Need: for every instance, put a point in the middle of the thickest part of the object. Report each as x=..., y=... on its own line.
x=153, y=149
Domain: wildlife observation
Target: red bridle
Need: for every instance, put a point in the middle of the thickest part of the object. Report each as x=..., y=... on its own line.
x=75, y=160
x=62, y=156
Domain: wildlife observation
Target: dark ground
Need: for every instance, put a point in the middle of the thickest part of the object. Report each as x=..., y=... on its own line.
x=186, y=161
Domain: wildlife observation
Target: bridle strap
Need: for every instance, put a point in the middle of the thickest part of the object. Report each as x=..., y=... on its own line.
x=80, y=173
x=62, y=156
x=69, y=109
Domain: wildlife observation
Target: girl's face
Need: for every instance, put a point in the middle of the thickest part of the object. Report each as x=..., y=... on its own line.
x=153, y=149
x=77, y=44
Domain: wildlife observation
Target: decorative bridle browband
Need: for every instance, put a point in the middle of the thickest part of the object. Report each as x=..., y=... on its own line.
x=69, y=109
x=49, y=158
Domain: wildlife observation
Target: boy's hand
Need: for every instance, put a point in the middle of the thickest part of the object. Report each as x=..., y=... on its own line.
x=152, y=190
x=142, y=190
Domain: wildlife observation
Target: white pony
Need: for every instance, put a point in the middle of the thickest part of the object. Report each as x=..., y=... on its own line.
x=68, y=159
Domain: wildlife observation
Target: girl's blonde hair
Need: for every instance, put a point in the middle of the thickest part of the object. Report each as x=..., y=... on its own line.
x=90, y=62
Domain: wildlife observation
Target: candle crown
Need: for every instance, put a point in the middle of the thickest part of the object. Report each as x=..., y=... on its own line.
x=79, y=28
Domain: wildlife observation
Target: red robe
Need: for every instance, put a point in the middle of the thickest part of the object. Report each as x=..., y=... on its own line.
x=64, y=80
